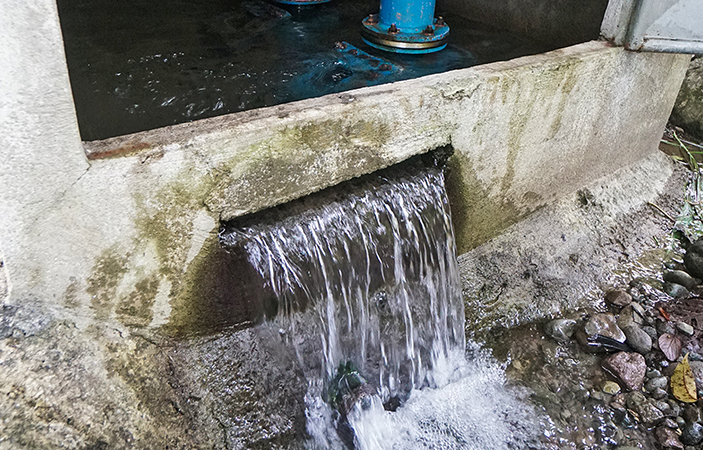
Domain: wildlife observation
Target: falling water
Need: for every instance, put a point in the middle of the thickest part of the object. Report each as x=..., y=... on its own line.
x=377, y=270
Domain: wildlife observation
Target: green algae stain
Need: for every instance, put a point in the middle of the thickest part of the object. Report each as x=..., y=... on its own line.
x=476, y=215
x=219, y=290
x=102, y=284
x=70, y=296
x=136, y=308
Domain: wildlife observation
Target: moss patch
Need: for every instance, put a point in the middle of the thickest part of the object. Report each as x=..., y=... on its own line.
x=102, y=284
x=136, y=308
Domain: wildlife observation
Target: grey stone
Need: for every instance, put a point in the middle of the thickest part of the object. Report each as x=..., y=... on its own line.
x=675, y=290
x=669, y=423
x=663, y=407
x=682, y=278
x=648, y=413
x=697, y=369
x=604, y=325
x=653, y=373
x=651, y=332
x=628, y=368
x=675, y=408
x=692, y=434
x=638, y=339
x=665, y=327
x=560, y=329
x=638, y=309
x=693, y=259
x=691, y=413
x=629, y=317
x=688, y=109
x=685, y=328
x=667, y=438
x=659, y=394
x=618, y=297
x=656, y=383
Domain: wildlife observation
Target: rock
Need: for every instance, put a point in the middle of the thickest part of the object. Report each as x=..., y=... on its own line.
x=680, y=421
x=629, y=368
x=653, y=373
x=659, y=394
x=638, y=339
x=665, y=327
x=618, y=297
x=651, y=331
x=685, y=328
x=682, y=278
x=560, y=329
x=611, y=387
x=669, y=423
x=638, y=309
x=663, y=407
x=691, y=413
x=697, y=369
x=628, y=317
x=604, y=325
x=656, y=383
x=675, y=290
x=692, y=434
x=693, y=259
x=668, y=439
x=688, y=109
x=637, y=402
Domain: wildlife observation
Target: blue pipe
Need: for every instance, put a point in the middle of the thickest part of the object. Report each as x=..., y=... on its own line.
x=406, y=26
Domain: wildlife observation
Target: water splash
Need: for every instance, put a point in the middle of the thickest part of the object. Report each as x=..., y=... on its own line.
x=377, y=269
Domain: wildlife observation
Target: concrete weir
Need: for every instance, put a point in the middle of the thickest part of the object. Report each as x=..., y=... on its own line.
x=103, y=242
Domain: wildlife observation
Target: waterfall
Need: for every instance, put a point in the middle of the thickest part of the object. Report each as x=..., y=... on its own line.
x=375, y=267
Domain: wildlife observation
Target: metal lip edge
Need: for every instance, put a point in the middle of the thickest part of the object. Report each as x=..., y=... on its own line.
x=670, y=45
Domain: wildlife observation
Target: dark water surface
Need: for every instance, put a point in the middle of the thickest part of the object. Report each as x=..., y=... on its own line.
x=137, y=65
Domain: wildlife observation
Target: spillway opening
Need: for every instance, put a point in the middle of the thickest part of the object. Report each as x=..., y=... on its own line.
x=366, y=285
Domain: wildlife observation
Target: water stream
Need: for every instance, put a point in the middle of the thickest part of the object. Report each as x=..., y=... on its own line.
x=369, y=295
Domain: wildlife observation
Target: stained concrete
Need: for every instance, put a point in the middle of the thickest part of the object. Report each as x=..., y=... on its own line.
x=564, y=257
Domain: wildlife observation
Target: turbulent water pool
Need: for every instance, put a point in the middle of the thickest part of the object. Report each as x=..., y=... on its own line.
x=138, y=65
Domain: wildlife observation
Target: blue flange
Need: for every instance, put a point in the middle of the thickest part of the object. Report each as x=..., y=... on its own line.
x=406, y=26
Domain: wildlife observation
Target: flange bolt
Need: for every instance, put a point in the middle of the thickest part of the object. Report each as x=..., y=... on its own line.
x=440, y=21
x=429, y=30
x=372, y=19
x=393, y=29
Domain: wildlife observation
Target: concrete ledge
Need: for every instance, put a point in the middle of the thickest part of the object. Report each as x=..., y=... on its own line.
x=130, y=236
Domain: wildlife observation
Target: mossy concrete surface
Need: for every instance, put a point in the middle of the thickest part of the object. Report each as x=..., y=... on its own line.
x=102, y=388
x=688, y=110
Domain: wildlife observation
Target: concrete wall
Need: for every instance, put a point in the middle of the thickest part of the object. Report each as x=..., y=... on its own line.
x=126, y=234
x=555, y=22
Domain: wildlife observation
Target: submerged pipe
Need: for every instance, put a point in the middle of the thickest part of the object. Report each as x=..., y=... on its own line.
x=406, y=26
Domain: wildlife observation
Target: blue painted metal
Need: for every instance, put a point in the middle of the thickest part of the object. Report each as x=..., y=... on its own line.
x=406, y=26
